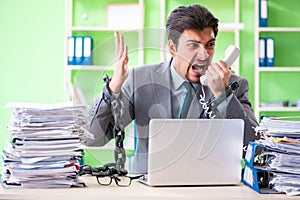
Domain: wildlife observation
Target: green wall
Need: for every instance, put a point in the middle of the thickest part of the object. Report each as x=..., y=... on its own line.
x=31, y=54
x=32, y=47
x=247, y=44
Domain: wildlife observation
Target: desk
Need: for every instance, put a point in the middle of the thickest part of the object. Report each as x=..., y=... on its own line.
x=138, y=191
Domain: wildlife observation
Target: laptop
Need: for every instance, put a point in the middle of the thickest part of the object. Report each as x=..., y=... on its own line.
x=195, y=152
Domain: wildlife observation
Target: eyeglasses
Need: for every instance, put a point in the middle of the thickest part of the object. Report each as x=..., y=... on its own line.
x=122, y=181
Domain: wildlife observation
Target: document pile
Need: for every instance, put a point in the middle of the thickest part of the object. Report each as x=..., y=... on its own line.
x=273, y=162
x=44, y=149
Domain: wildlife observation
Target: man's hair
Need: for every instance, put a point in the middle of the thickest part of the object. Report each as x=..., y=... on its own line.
x=192, y=17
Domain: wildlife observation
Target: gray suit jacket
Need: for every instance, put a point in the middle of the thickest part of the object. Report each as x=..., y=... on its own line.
x=147, y=93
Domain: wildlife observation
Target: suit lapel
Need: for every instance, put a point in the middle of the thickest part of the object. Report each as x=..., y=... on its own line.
x=161, y=87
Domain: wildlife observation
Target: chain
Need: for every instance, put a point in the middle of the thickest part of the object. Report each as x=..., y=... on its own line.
x=116, y=168
x=107, y=170
x=117, y=106
x=119, y=152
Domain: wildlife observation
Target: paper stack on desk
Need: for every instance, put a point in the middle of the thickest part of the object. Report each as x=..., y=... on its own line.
x=44, y=150
x=273, y=162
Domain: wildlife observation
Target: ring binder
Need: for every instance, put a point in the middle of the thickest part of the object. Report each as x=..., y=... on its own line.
x=270, y=52
x=78, y=50
x=257, y=179
x=87, y=50
x=263, y=13
x=71, y=50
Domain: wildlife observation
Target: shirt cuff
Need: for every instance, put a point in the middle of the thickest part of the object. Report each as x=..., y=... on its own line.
x=115, y=95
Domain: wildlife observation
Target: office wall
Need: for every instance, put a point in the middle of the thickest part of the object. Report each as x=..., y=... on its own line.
x=31, y=54
x=32, y=50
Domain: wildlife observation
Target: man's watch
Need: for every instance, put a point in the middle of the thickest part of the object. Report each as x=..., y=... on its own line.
x=231, y=87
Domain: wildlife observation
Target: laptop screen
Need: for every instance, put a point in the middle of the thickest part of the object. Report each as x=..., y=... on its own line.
x=195, y=151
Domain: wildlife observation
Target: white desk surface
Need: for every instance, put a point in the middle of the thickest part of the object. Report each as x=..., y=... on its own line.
x=139, y=191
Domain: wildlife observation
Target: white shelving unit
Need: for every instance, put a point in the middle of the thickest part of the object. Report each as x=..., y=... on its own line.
x=234, y=27
x=258, y=70
x=69, y=29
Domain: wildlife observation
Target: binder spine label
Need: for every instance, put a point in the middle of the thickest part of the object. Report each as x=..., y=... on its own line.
x=248, y=176
x=262, y=52
x=249, y=153
x=270, y=52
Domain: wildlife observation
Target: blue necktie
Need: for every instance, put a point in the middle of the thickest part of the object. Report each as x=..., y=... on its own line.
x=187, y=100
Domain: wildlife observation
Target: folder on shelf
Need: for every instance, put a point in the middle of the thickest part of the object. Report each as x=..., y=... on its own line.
x=262, y=52
x=78, y=50
x=270, y=52
x=71, y=50
x=87, y=50
x=263, y=13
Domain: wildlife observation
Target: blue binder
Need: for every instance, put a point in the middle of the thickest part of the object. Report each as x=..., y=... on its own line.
x=270, y=52
x=253, y=149
x=257, y=179
x=78, y=50
x=71, y=50
x=262, y=52
x=87, y=50
x=263, y=13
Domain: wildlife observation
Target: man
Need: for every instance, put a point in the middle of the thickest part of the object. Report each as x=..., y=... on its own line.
x=159, y=90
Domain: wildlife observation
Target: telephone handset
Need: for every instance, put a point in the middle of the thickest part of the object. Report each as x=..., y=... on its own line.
x=231, y=54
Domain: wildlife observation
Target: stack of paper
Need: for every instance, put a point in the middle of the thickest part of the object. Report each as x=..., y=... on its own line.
x=280, y=156
x=44, y=150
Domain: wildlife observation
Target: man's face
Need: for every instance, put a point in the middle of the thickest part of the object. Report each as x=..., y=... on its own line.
x=193, y=53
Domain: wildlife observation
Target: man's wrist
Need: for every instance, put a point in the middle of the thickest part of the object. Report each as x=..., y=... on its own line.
x=114, y=88
x=223, y=97
x=108, y=94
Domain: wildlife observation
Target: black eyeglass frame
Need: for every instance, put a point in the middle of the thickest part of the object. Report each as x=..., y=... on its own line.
x=116, y=178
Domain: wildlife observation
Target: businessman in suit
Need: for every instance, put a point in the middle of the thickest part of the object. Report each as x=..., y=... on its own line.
x=159, y=90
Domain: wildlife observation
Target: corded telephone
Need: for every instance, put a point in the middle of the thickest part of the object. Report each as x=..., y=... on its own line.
x=231, y=53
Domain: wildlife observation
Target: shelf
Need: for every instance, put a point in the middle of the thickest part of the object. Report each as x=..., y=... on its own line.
x=222, y=27
x=89, y=67
x=279, y=69
x=93, y=28
x=278, y=29
x=279, y=109
x=231, y=26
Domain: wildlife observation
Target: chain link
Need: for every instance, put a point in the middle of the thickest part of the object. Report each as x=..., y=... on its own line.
x=107, y=170
x=117, y=168
x=117, y=106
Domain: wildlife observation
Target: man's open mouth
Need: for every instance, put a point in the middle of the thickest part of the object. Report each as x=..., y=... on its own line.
x=199, y=67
